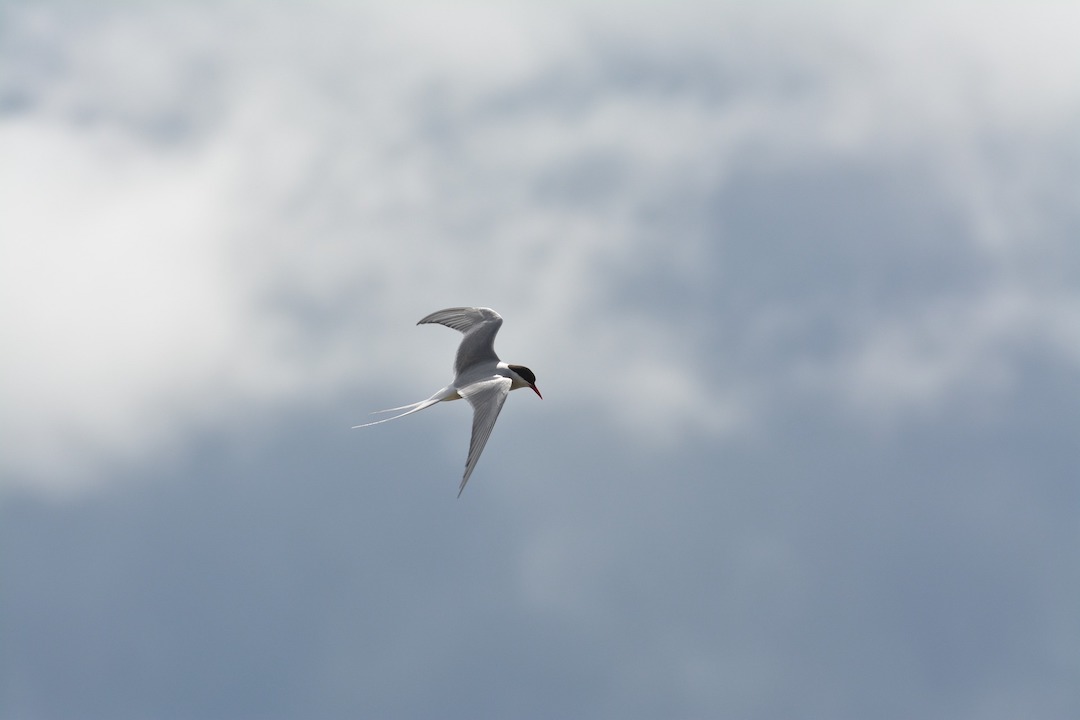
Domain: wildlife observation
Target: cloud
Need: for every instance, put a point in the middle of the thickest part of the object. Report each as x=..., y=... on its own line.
x=117, y=304
x=239, y=220
x=734, y=242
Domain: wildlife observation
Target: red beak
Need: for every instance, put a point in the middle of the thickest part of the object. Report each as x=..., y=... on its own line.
x=536, y=391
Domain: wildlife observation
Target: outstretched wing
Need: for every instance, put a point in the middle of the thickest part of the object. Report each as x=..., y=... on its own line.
x=487, y=398
x=480, y=325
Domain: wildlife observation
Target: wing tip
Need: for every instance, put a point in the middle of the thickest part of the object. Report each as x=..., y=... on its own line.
x=464, y=481
x=457, y=317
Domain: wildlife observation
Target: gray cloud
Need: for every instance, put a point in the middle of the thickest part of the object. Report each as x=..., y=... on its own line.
x=235, y=211
x=799, y=288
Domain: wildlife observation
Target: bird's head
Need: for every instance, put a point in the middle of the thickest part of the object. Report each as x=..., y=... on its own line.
x=525, y=378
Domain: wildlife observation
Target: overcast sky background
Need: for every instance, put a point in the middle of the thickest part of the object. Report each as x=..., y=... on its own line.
x=800, y=285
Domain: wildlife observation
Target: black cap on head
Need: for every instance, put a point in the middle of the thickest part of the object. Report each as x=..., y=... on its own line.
x=525, y=373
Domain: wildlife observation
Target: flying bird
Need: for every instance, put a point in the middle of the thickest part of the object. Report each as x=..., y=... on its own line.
x=479, y=376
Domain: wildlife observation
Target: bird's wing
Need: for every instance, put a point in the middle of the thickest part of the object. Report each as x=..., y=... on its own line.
x=462, y=318
x=487, y=398
x=480, y=325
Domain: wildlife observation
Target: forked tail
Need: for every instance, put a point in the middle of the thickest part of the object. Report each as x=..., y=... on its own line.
x=444, y=394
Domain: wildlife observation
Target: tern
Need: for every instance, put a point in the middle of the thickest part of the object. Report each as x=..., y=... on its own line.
x=479, y=376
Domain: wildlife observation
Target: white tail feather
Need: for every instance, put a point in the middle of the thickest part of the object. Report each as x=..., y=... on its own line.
x=416, y=407
x=446, y=393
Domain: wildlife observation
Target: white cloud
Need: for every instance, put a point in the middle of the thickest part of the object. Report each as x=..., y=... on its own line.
x=204, y=218
x=117, y=301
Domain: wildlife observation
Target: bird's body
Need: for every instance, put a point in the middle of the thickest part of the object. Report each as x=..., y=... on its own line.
x=479, y=376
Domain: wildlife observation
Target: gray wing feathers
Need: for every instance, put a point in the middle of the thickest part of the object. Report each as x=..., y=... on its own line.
x=462, y=318
x=480, y=325
x=487, y=398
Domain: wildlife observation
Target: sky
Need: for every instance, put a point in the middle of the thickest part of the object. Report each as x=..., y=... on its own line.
x=800, y=284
